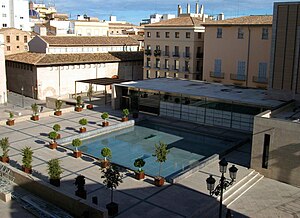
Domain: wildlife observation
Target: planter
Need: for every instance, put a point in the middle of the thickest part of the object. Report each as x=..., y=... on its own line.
x=4, y=159
x=58, y=136
x=10, y=122
x=112, y=208
x=53, y=145
x=55, y=182
x=159, y=181
x=27, y=170
x=90, y=107
x=139, y=175
x=104, y=164
x=58, y=113
x=105, y=124
x=35, y=117
x=78, y=109
x=77, y=154
x=135, y=115
x=81, y=193
x=124, y=119
x=82, y=130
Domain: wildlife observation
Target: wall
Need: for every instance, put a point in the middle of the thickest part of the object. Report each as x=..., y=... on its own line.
x=3, y=94
x=37, y=45
x=86, y=28
x=14, y=46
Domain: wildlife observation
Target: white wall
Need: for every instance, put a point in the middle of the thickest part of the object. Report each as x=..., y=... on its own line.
x=3, y=94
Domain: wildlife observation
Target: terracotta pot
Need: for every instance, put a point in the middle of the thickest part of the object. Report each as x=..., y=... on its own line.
x=77, y=154
x=10, y=122
x=27, y=170
x=53, y=145
x=112, y=208
x=159, y=181
x=90, y=107
x=104, y=164
x=82, y=129
x=58, y=113
x=58, y=136
x=105, y=124
x=78, y=109
x=81, y=193
x=35, y=117
x=55, y=182
x=4, y=159
x=139, y=175
x=124, y=119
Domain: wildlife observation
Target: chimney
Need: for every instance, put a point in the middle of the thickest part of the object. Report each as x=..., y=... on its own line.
x=188, y=8
x=179, y=10
x=201, y=9
x=197, y=8
x=221, y=16
x=203, y=18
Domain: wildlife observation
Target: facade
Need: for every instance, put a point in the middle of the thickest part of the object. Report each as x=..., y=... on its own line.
x=14, y=14
x=155, y=18
x=285, y=55
x=81, y=44
x=45, y=75
x=40, y=10
x=16, y=41
x=88, y=28
x=174, y=48
x=237, y=51
x=123, y=28
x=3, y=89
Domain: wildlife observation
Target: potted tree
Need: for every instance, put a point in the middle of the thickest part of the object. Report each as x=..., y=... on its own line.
x=79, y=104
x=10, y=121
x=58, y=104
x=112, y=179
x=35, y=112
x=54, y=171
x=105, y=116
x=4, y=143
x=53, y=137
x=106, y=153
x=80, y=182
x=56, y=128
x=125, y=113
x=82, y=122
x=76, y=143
x=161, y=152
x=27, y=159
x=139, y=174
x=90, y=94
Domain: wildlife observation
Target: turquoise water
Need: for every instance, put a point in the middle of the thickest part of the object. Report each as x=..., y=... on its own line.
x=186, y=148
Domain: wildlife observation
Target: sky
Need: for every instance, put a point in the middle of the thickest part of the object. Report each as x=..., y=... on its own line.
x=134, y=11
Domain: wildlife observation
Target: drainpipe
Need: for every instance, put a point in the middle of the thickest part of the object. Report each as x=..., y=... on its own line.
x=248, y=55
x=59, y=81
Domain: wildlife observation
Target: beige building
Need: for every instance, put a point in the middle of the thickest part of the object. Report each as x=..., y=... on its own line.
x=174, y=48
x=15, y=40
x=237, y=51
x=3, y=93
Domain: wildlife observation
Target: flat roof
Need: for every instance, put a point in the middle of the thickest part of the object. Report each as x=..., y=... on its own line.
x=229, y=93
x=102, y=81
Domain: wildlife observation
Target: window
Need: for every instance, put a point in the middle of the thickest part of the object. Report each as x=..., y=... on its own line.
x=241, y=70
x=21, y=18
x=3, y=15
x=148, y=74
x=157, y=34
x=176, y=34
x=17, y=38
x=8, y=39
x=187, y=66
x=166, y=63
x=157, y=47
x=148, y=47
x=167, y=34
x=148, y=62
x=157, y=63
x=157, y=74
x=186, y=76
x=4, y=25
x=240, y=33
x=218, y=64
x=3, y=6
x=18, y=47
x=148, y=34
x=265, y=157
x=8, y=48
x=176, y=51
x=167, y=51
x=199, y=35
x=187, y=35
x=265, y=33
x=25, y=39
x=187, y=52
x=198, y=66
x=176, y=65
x=219, y=33
x=262, y=70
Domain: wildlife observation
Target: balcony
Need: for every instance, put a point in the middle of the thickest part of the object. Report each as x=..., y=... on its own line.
x=219, y=75
x=186, y=55
x=157, y=66
x=166, y=54
x=174, y=68
x=147, y=66
x=166, y=67
x=176, y=54
x=258, y=79
x=157, y=53
x=199, y=55
x=237, y=77
x=147, y=52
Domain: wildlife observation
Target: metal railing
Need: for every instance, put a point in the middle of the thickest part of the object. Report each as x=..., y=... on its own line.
x=176, y=54
x=147, y=52
x=216, y=74
x=157, y=53
x=259, y=79
x=238, y=77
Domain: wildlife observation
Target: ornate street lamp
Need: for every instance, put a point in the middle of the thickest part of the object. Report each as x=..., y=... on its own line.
x=223, y=184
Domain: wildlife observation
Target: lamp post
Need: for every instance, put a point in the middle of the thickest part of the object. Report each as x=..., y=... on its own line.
x=224, y=182
x=22, y=89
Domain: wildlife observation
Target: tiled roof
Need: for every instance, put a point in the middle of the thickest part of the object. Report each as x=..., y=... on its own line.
x=246, y=20
x=185, y=21
x=54, y=59
x=87, y=40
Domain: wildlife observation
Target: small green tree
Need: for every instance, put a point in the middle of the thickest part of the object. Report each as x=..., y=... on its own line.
x=53, y=136
x=112, y=179
x=139, y=162
x=125, y=112
x=76, y=143
x=79, y=101
x=54, y=169
x=35, y=109
x=106, y=153
x=58, y=104
x=90, y=92
x=83, y=122
x=4, y=143
x=56, y=127
x=161, y=152
x=105, y=116
x=11, y=115
x=27, y=157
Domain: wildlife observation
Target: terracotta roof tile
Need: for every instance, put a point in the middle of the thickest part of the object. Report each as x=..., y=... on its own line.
x=178, y=21
x=246, y=20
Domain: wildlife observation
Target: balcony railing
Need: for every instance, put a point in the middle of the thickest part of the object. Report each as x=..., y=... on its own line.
x=157, y=53
x=186, y=55
x=216, y=74
x=147, y=66
x=238, y=77
x=199, y=55
x=175, y=68
x=147, y=52
x=166, y=67
x=157, y=66
x=259, y=79
x=176, y=54
x=166, y=53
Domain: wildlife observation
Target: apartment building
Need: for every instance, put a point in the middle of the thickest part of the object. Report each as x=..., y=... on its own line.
x=41, y=10
x=14, y=14
x=237, y=51
x=88, y=27
x=3, y=93
x=15, y=40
